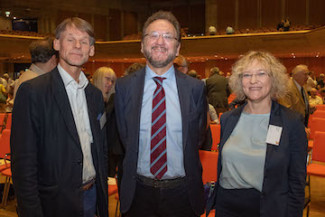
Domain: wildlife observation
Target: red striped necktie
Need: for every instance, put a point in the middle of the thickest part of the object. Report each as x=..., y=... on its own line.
x=158, y=151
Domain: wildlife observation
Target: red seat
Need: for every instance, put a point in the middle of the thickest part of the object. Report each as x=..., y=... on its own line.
x=209, y=161
x=320, y=107
x=318, y=155
x=8, y=175
x=9, y=120
x=318, y=114
x=316, y=124
x=215, y=132
x=5, y=147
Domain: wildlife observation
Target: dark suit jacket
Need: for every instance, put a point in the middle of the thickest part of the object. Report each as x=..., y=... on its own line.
x=218, y=92
x=47, y=159
x=283, y=191
x=128, y=103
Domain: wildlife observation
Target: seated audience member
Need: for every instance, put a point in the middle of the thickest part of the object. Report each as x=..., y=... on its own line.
x=259, y=174
x=213, y=116
x=133, y=68
x=230, y=30
x=322, y=94
x=212, y=30
x=181, y=64
x=104, y=79
x=320, y=81
x=280, y=26
x=314, y=99
x=311, y=83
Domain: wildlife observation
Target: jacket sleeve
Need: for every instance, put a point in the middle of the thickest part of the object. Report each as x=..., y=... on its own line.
x=297, y=169
x=24, y=152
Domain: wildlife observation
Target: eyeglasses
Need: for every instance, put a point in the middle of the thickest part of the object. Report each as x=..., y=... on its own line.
x=259, y=75
x=155, y=36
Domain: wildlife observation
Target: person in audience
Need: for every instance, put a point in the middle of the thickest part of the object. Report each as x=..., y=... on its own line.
x=192, y=73
x=133, y=68
x=104, y=79
x=217, y=90
x=212, y=30
x=314, y=99
x=322, y=94
x=161, y=115
x=44, y=59
x=230, y=30
x=320, y=81
x=58, y=135
x=263, y=148
x=181, y=64
x=296, y=97
x=311, y=83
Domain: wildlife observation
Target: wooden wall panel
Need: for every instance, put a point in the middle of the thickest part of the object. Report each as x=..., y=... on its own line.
x=197, y=19
x=62, y=15
x=316, y=12
x=100, y=27
x=86, y=16
x=247, y=14
x=114, y=25
x=270, y=12
x=296, y=11
x=130, y=23
x=225, y=14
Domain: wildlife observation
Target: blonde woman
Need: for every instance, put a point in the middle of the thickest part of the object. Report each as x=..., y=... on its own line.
x=263, y=145
x=104, y=78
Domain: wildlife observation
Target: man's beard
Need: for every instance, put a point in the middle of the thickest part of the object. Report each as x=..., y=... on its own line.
x=158, y=64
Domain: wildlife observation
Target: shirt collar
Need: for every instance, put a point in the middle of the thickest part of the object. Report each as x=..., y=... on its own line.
x=169, y=75
x=298, y=85
x=68, y=79
x=36, y=69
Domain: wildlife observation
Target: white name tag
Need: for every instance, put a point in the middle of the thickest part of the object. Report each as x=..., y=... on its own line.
x=102, y=120
x=273, y=135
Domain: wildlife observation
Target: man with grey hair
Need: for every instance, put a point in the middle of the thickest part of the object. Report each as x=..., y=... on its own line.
x=161, y=117
x=297, y=97
x=43, y=58
x=58, y=137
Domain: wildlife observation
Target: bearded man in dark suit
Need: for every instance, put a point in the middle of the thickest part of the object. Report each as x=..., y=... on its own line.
x=161, y=117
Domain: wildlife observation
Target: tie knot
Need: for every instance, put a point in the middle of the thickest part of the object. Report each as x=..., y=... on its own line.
x=158, y=80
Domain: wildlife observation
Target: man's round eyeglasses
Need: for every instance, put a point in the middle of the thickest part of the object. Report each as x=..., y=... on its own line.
x=155, y=36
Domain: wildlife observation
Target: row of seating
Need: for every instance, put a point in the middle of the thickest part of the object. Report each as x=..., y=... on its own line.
x=5, y=170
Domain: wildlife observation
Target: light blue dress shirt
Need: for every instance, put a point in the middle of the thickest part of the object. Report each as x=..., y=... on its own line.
x=175, y=163
x=243, y=155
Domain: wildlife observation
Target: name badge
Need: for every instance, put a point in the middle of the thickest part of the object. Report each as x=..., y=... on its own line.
x=102, y=120
x=273, y=135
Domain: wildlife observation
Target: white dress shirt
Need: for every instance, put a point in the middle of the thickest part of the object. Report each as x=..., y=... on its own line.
x=78, y=103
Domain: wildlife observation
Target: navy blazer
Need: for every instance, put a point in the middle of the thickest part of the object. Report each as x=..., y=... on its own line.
x=284, y=180
x=47, y=159
x=128, y=104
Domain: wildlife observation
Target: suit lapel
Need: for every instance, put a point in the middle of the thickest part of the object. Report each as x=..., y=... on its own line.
x=298, y=94
x=136, y=89
x=275, y=119
x=184, y=96
x=61, y=98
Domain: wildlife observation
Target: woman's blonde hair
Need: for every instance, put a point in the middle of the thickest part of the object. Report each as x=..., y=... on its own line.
x=98, y=77
x=274, y=67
